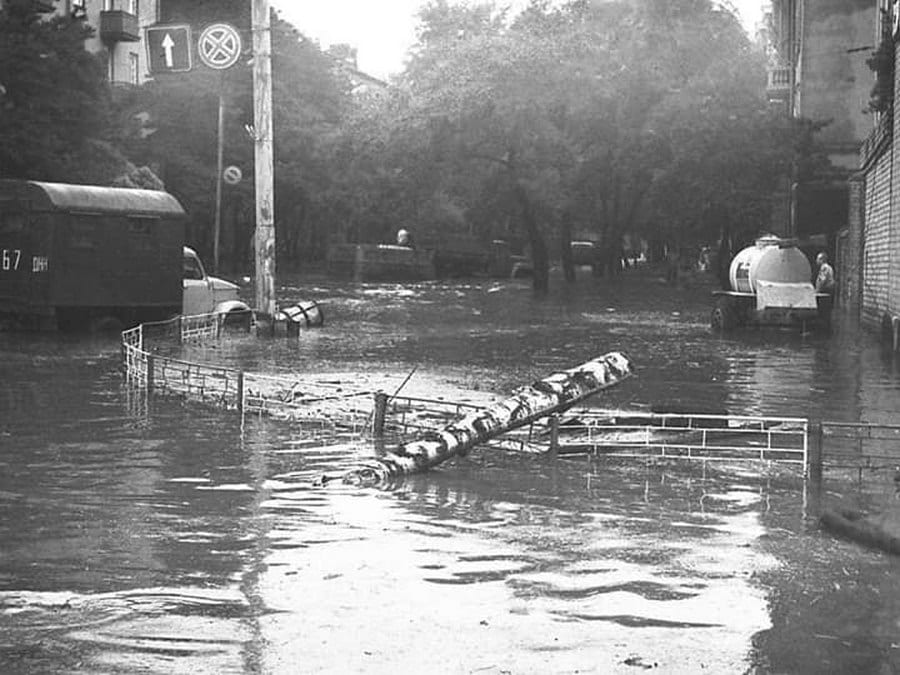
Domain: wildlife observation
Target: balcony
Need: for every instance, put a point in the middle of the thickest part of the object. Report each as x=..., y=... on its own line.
x=119, y=26
x=778, y=84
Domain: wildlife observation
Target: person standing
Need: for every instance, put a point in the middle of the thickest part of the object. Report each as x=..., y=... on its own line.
x=825, y=285
x=825, y=274
x=404, y=238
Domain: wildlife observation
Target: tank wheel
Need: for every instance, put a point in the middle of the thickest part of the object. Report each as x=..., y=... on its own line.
x=724, y=316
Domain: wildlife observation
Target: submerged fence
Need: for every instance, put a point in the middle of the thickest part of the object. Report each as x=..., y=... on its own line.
x=152, y=369
x=686, y=436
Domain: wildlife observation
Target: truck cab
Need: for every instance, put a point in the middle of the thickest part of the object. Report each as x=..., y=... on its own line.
x=204, y=294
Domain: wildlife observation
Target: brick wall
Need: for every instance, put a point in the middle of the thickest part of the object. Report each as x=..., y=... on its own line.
x=876, y=238
x=848, y=264
x=880, y=259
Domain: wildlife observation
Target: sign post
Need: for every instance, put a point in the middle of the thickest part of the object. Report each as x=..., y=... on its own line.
x=219, y=47
x=264, y=165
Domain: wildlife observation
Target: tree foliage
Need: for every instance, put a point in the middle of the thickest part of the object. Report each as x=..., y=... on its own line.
x=53, y=98
x=590, y=119
x=598, y=118
x=176, y=133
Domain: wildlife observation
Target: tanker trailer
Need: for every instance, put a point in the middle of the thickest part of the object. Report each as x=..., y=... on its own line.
x=771, y=284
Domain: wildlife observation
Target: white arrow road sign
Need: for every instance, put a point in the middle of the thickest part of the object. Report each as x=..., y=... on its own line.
x=167, y=45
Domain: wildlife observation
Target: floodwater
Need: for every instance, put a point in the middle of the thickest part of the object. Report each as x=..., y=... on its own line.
x=177, y=539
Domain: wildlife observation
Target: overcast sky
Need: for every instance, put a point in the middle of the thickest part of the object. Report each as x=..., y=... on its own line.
x=383, y=30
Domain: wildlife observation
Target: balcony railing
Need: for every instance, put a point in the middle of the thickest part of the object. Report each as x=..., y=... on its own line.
x=119, y=26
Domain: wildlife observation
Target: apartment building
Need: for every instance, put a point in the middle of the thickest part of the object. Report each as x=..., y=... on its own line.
x=119, y=32
x=818, y=71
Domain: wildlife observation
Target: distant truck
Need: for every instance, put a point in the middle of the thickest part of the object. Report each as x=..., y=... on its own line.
x=100, y=258
x=770, y=285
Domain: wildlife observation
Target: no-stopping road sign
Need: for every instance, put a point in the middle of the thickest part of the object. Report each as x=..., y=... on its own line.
x=232, y=175
x=219, y=46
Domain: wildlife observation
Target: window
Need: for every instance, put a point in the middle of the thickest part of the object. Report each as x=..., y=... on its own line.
x=192, y=268
x=133, y=66
x=83, y=232
x=141, y=226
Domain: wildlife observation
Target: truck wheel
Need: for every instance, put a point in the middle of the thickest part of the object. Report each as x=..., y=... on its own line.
x=238, y=318
x=724, y=317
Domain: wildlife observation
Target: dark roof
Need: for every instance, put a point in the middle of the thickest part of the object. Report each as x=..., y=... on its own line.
x=90, y=198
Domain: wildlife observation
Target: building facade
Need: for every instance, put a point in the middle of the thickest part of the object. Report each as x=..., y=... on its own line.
x=818, y=71
x=875, y=220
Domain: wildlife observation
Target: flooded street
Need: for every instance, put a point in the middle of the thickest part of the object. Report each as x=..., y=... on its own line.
x=179, y=539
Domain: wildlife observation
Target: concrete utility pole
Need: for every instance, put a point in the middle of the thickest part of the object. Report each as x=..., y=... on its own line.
x=262, y=122
x=220, y=157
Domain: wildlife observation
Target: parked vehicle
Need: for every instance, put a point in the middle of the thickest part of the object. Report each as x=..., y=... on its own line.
x=100, y=258
x=203, y=294
x=770, y=284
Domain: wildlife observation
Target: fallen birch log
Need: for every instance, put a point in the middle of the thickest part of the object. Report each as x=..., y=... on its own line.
x=551, y=395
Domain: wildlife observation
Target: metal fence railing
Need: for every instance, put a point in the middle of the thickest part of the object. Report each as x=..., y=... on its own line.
x=684, y=436
x=150, y=351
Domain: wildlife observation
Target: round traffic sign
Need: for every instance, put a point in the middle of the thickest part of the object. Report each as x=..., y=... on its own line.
x=219, y=46
x=232, y=175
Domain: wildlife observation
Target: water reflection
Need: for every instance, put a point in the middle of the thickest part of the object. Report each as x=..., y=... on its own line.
x=153, y=536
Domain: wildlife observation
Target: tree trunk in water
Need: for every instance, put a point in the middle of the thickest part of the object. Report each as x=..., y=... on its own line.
x=540, y=260
x=553, y=394
x=724, y=254
x=565, y=249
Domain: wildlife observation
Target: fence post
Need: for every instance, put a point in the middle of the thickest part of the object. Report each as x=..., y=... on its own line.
x=554, y=435
x=814, y=462
x=381, y=400
x=150, y=361
x=240, y=392
x=814, y=451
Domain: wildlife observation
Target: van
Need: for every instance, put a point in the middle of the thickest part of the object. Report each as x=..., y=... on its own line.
x=100, y=258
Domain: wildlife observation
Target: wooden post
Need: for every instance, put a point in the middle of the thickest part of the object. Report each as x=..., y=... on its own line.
x=240, y=393
x=814, y=467
x=264, y=167
x=381, y=400
x=554, y=435
x=814, y=451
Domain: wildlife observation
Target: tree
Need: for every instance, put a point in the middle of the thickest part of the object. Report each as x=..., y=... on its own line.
x=485, y=94
x=178, y=135
x=585, y=117
x=53, y=99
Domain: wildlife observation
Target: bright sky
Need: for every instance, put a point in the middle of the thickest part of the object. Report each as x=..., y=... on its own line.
x=383, y=30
